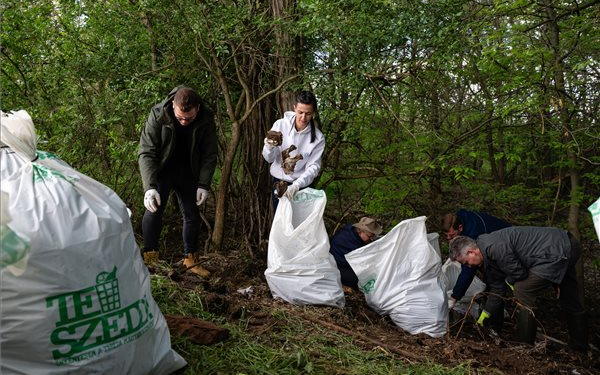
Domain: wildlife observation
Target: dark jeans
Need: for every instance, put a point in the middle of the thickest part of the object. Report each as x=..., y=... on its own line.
x=527, y=291
x=184, y=187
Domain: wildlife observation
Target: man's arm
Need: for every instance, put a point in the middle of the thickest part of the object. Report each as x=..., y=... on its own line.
x=464, y=280
x=149, y=151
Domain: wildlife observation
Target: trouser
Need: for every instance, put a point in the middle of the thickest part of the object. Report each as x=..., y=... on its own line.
x=527, y=290
x=184, y=187
x=274, y=198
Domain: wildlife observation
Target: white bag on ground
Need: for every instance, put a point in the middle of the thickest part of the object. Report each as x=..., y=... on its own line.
x=434, y=240
x=450, y=271
x=300, y=269
x=79, y=301
x=399, y=274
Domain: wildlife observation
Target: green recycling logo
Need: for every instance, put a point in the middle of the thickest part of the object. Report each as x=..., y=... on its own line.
x=13, y=248
x=92, y=320
x=368, y=287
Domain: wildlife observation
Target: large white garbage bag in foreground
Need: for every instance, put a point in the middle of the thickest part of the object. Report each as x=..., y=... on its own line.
x=76, y=299
x=400, y=276
x=300, y=268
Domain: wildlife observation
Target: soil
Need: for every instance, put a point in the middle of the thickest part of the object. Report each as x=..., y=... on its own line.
x=237, y=289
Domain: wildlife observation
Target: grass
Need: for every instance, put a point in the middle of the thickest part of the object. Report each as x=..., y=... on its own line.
x=291, y=345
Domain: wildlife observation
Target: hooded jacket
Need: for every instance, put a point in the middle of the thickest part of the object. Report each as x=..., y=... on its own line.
x=309, y=166
x=510, y=254
x=157, y=143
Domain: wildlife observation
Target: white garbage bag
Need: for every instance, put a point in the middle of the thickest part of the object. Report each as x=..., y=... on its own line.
x=77, y=299
x=400, y=277
x=13, y=248
x=300, y=269
x=434, y=240
x=450, y=271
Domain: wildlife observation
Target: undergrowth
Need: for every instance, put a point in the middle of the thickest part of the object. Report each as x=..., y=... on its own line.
x=289, y=346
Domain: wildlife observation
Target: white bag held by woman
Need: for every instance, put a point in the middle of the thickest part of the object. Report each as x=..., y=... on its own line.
x=300, y=268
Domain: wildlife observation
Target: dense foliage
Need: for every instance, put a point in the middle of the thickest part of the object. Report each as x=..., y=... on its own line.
x=426, y=106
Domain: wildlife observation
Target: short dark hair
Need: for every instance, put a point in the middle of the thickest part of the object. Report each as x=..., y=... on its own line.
x=187, y=99
x=307, y=97
x=458, y=246
x=450, y=221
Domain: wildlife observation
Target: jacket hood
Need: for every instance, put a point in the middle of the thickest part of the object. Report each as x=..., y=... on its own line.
x=290, y=116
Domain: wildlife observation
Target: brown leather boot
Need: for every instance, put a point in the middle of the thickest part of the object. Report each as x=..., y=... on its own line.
x=150, y=258
x=190, y=260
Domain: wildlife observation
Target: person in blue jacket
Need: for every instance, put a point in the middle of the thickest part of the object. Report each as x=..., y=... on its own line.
x=471, y=224
x=350, y=238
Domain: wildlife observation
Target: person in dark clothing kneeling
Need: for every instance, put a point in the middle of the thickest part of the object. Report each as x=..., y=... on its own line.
x=527, y=260
x=350, y=238
x=471, y=224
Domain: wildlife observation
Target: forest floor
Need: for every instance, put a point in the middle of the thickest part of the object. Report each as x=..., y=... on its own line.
x=237, y=289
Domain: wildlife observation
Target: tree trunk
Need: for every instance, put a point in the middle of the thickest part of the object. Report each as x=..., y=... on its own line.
x=288, y=57
x=553, y=33
x=221, y=206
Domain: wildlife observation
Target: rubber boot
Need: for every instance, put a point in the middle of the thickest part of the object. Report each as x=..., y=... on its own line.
x=190, y=260
x=526, y=326
x=578, y=331
x=150, y=257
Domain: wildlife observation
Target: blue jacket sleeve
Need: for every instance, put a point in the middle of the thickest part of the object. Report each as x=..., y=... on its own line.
x=465, y=278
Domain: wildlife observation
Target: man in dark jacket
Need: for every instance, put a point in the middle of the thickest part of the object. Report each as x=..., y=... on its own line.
x=527, y=260
x=471, y=224
x=177, y=152
x=350, y=238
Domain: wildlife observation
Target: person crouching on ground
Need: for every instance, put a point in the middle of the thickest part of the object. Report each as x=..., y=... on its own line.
x=350, y=238
x=528, y=260
x=471, y=224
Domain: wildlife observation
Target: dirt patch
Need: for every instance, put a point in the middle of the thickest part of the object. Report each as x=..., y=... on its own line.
x=237, y=289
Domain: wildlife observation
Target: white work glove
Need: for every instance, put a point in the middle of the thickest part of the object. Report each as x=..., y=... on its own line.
x=152, y=200
x=291, y=190
x=268, y=145
x=451, y=303
x=201, y=195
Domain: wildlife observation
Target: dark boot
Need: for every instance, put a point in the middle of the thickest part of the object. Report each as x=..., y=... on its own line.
x=578, y=331
x=526, y=326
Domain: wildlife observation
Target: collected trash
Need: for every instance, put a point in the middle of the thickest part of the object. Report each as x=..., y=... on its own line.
x=246, y=291
x=274, y=138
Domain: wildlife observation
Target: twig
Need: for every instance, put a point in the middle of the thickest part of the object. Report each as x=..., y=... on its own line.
x=378, y=343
